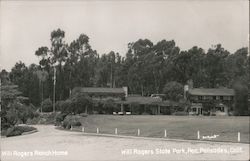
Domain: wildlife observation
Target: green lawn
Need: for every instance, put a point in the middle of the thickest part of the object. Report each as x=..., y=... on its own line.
x=178, y=127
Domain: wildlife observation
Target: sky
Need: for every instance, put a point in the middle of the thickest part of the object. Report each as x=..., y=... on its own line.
x=111, y=25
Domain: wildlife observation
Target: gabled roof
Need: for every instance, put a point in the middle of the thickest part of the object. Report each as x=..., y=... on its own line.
x=211, y=91
x=102, y=90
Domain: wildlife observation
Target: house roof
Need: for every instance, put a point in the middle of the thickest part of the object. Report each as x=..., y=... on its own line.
x=211, y=91
x=102, y=90
x=141, y=100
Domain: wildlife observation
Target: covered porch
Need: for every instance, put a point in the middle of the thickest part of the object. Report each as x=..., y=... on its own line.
x=145, y=105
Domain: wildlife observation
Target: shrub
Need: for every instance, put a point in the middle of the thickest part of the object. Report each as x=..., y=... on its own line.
x=80, y=103
x=65, y=106
x=47, y=105
x=44, y=118
x=77, y=123
x=59, y=118
x=58, y=105
x=12, y=131
x=33, y=121
x=25, y=128
x=12, y=116
x=18, y=130
x=71, y=120
x=26, y=112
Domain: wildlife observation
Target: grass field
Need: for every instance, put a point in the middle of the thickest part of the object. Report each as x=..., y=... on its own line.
x=178, y=127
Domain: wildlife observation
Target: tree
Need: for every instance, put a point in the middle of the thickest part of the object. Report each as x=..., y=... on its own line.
x=42, y=76
x=9, y=93
x=80, y=103
x=241, y=98
x=215, y=66
x=4, y=76
x=66, y=106
x=237, y=67
x=190, y=65
x=110, y=106
x=26, y=112
x=46, y=105
x=173, y=91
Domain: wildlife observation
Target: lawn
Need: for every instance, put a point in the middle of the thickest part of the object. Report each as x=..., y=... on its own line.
x=178, y=127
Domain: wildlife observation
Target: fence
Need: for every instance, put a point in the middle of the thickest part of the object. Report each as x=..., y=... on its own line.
x=197, y=135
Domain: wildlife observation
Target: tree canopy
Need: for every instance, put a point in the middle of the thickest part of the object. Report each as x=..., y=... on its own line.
x=145, y=68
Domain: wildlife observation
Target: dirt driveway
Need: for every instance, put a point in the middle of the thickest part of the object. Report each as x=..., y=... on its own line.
x=52, y=144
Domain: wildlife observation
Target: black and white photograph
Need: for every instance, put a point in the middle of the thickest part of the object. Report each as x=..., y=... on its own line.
x=124, y=80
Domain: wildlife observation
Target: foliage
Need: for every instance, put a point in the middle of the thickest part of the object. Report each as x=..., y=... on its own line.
x=71, y=120
x=145, y=69
x=9, y=93
x=110, y=106
x=66, y=106
x=18, y=130
x=12, y=116
x=80, y=103
x=241, y=99
x=173, y=91
x=47, y=105
x=26, y=112
x=136, y=108
x=43, y=118
x=59, y=118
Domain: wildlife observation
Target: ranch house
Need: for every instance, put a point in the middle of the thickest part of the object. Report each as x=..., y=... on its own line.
x=221, y=100
x=124, y=103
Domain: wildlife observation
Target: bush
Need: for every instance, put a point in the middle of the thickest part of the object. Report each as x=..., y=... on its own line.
x=25, y=128
x=18, y=130
x=45, y=118
x=12, y=131
x=26, y=112
x=71, y=120
x=12, y=116
x=33, y=121
x=80, y=103
x=77, y=123
x=47, y=105
x=58, y=105
x=65, y=106
x=59, y=118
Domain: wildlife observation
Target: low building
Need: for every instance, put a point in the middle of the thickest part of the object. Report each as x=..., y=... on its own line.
x=124, y=103
x=220, y=98
x=102, y=94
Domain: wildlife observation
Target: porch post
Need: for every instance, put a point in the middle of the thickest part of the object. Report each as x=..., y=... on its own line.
x=159, y=109
x=122, y=107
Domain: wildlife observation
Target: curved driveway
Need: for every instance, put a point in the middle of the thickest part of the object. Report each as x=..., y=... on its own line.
x=52, y=144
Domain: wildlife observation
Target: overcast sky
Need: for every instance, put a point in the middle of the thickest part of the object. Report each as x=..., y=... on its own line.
x=110, y=25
